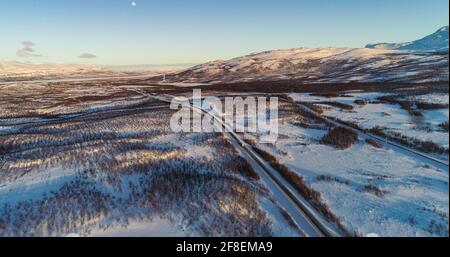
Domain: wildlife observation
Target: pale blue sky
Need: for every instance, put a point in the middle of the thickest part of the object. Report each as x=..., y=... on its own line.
x=195, y=31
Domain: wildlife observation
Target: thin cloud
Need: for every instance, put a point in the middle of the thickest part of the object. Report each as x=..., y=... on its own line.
x=27, y=50
x=87, y=56
x=28, y=43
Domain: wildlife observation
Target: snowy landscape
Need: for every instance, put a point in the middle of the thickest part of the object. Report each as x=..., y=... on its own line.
x=362, y=147
x=370, y=188
x=369, y=111
x=97, y=166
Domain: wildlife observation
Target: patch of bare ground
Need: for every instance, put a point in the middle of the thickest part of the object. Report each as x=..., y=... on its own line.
x=373, y=143
x=327, y=178
x=444, y=126
x=430, y=106
x=242, y=165
x=370, y=188
x=360, y=102
x=408, y=106
x=341, y=138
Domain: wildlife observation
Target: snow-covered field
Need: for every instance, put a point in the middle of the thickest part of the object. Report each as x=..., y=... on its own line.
x=150, y=228
x=390, y=117
x=83, y=162
x=99, y=159
x=371, y=190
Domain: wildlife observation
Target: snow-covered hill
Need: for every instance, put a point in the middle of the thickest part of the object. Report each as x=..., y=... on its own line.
x=323, y=65
x=435, y=42
x=23, y=70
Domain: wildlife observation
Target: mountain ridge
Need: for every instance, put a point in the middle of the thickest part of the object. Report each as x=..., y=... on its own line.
x=322, y=65
x=436, y=42
x=375, y=63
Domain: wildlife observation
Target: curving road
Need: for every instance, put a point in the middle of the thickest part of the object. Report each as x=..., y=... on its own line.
x=311, y=223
